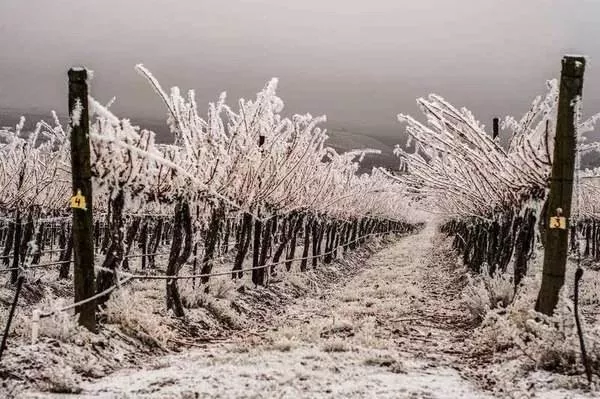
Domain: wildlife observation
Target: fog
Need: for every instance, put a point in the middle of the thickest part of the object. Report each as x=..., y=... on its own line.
x=358, y=62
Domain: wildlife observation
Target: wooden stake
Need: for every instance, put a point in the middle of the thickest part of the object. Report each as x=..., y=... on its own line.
x=561, y=185
x=495, y=127
x=83, y=227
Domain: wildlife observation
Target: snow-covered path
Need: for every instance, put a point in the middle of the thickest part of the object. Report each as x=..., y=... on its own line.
x=392, y=331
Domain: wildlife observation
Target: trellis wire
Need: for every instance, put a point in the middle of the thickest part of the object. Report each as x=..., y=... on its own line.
x=130, y=277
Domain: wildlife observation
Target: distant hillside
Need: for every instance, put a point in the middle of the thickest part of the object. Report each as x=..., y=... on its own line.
x=340, y=139
x=10, y=117
x=391, y=141
x=344, y=141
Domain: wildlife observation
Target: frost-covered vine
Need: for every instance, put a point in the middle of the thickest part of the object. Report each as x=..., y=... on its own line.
x=490, y=194
x=243, y=171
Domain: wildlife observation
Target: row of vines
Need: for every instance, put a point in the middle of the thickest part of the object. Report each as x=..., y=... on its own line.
x=505, y=199
x=491, y=196
x=240, y=185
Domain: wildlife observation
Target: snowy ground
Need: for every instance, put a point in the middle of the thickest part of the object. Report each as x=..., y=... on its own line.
x=397, y=329
x=357, y=340
x=301, y=372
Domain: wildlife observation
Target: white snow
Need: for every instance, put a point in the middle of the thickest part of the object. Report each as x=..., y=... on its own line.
x=351, y=342
x=302, y=372
x=397, y=329
x=76, y=114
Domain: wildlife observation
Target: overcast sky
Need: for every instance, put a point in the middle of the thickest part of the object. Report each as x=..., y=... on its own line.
x=360, y=62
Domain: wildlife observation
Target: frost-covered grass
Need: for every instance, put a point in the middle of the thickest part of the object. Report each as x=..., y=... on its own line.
x=61, y=380
x=519, y=343
x=384, y=308
x=137, y=314
x=303, y=372
x=322, y=345
x=407, y=313
x=136, y=327
x=485, y=292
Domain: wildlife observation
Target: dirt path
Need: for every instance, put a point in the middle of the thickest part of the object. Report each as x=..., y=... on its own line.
x=392, y=331
x=407, y=298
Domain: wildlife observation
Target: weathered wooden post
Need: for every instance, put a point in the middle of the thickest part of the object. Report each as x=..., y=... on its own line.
x=495, y=128
x=81, y=202
x=561, y=185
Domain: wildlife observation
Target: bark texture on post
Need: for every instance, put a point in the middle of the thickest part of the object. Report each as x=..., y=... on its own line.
x=83, y=227
x=495, y=127
x=561, y=184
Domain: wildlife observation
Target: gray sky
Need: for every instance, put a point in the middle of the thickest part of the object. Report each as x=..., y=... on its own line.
x=360, y=62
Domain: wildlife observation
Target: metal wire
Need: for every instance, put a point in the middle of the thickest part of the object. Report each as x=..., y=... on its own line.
x=130, y=277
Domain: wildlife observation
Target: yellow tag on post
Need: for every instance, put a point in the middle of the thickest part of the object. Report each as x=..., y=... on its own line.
x=78, y=201
x=558, y=222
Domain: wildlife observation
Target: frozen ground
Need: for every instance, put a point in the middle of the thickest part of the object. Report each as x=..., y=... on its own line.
x=397, y=329
x=356, y=340
x=301, y=372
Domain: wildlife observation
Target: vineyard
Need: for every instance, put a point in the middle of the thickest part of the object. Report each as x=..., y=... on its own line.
x=248, y=188
x=247, y=196
x=504, y=205
x=494, y=199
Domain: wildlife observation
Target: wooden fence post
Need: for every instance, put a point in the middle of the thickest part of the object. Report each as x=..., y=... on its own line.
x=495, y=128
x=561, y=185
x=83, y=227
